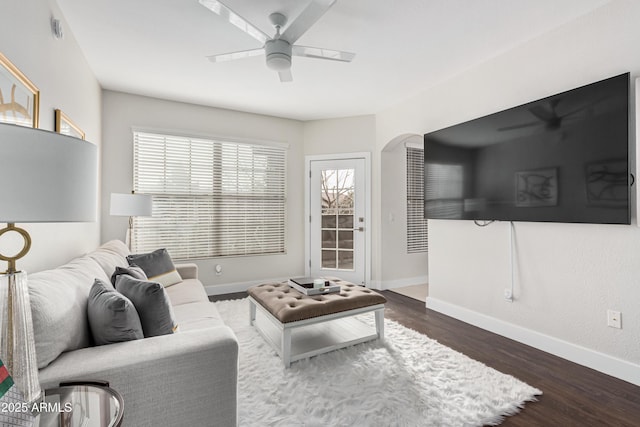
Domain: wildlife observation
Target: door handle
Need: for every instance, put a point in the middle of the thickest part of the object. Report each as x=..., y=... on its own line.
x=359, y=229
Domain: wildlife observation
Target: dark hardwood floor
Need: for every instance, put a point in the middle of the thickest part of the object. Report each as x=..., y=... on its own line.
x=573, y=395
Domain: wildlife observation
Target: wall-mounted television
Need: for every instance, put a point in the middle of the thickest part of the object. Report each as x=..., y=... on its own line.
x=563, y=158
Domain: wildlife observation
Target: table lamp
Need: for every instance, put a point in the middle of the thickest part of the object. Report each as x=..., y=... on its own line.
x=46, y=177
x=132, y=204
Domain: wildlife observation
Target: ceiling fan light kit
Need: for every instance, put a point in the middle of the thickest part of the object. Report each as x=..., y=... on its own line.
x=279, y=48
x=278, y=54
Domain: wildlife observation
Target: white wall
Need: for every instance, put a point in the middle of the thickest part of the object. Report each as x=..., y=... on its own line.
x=567, y=276
x=59, y=70
x=122, y=111
x=344, y=135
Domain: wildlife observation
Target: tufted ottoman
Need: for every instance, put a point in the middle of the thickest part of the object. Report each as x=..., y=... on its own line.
x=300, y=326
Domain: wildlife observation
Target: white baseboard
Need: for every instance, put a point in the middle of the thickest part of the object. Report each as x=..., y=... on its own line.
x=228, y=288
x=374, y=284
x=604, y=363
x=399, y=283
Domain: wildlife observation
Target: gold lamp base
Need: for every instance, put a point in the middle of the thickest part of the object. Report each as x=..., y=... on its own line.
x=11, y=260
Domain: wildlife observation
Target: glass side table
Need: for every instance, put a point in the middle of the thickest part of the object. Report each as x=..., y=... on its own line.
x=81, y=404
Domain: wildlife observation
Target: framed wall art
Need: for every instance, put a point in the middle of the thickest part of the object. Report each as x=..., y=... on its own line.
x=66, y=126
x=19, y=98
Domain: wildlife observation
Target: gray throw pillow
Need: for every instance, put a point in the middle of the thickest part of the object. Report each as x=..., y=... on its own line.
x=133, y=271
x=151, y=302
x=112, y=316
x=158, y=266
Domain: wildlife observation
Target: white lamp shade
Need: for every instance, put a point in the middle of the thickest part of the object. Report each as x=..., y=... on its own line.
x=46, y=176
x=130, y=204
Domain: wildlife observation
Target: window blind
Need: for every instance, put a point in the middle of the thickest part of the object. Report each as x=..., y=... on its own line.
x=211, y=198
x=417, y=235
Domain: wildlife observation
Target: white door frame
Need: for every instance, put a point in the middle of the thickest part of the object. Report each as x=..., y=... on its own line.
x=366, y=156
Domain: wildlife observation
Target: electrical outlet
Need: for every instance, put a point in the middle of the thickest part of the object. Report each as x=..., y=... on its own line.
x=508, y=295
x=614, y=319
x=218, y=269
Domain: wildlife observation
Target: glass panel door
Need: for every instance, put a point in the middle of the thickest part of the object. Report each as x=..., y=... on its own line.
x=337, y=219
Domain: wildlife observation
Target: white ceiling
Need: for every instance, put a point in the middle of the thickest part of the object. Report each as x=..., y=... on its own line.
x=158, y=48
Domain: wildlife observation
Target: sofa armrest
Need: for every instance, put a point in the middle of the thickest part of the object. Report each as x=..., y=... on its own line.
x=187, y=270
x=187, y=378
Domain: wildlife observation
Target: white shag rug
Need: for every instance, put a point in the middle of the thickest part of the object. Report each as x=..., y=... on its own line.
x=409, y=380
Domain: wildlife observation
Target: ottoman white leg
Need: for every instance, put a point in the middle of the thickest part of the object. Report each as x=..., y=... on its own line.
x=380, y=323
x=252, y=312
x=286, y=347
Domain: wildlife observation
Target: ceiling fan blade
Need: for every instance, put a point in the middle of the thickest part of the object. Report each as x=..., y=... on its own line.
x=306, y=19
x=285, y=76
x=220, y=9
x=316, y=52
x=235, y=55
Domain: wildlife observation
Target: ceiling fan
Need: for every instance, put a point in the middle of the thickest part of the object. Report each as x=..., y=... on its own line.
x=279, y=48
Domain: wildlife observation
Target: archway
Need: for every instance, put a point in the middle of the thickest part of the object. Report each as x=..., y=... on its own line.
x=400, y=270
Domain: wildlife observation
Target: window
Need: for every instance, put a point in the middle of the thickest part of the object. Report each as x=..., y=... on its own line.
x=416, y=224
x=211, y=198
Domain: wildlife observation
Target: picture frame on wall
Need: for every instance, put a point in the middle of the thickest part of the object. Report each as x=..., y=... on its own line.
x=19, y=97
x=66, y=126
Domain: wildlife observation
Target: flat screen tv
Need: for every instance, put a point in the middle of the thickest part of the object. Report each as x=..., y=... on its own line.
x=563, y=158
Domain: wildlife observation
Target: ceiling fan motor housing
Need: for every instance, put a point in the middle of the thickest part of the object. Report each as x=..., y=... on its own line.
x=278, y=54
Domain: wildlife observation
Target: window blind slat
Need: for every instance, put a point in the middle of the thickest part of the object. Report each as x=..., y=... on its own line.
x=210, y=197
x=417, y=233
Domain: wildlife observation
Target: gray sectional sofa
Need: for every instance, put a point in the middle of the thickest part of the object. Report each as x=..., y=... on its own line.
x=184, y=379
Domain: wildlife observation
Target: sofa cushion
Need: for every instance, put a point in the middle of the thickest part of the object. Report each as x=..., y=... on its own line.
x=197, y=315
x=187, y=291
x=110, y=255
x=132, y=270
x=112, y=316
x=59, y=307
x=158, y=266
x=151, y=302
